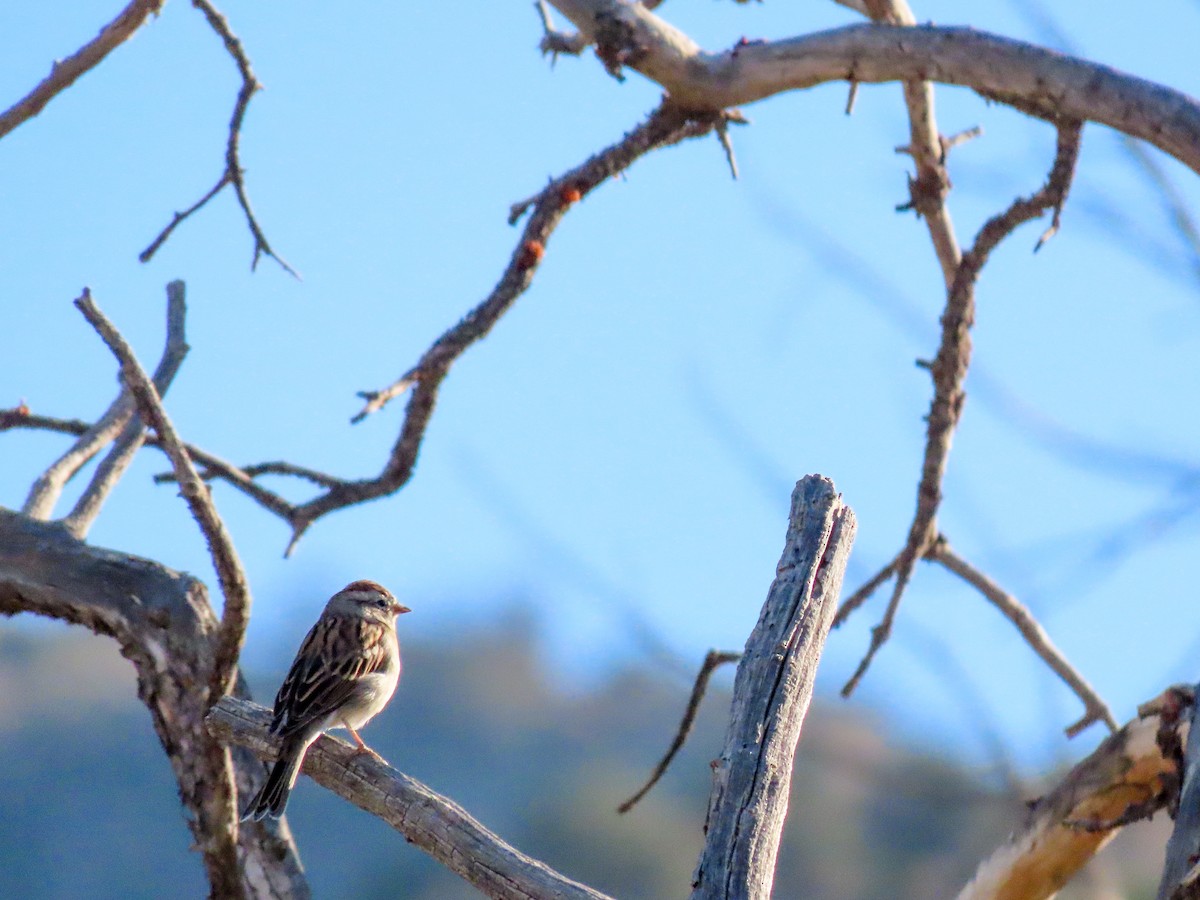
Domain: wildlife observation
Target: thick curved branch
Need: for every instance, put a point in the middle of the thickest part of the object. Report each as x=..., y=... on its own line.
x=1054, y=85
x=165, y=626
x=431, y=822
x=64, y=73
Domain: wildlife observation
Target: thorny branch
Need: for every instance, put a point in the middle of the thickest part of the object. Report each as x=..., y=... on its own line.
x=949, y=369
x=712, y=661
x=928, y=190
x=233, y=167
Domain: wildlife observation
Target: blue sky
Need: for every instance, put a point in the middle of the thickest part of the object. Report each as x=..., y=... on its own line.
x=620, y=450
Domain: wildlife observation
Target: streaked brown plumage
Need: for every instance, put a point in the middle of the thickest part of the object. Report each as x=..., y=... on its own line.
x=344, y=673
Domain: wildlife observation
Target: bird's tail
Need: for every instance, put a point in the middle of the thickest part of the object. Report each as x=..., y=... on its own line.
x=272, y=797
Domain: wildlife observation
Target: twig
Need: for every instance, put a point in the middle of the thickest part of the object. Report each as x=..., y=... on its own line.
x=179, y=217
x=132, y=436
x=233, y=167
x=712, y=661
x=214, y=466
x=1095, y=709
x=554, y=41
x=667, y=125
x=65, y=72
x=863, y=594
x=433, y=823
x=230, y=573
x=928, y=189
x=949, y=369
x=967, y=134
x=278, y=467
x=727, y=146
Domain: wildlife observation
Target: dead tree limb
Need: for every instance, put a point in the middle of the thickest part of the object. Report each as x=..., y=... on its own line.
x=431, y=822
x=1181, y=871
x=235, y=588
x=1131, y=775
x=63, y=74
x=165, y=626
x=712, y=661
x=949, y=371
x=771, y=694
x=232, y=174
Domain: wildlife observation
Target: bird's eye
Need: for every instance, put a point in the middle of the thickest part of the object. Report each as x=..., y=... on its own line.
x=382, y=602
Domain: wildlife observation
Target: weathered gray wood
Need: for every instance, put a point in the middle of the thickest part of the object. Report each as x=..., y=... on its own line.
x=435, y=824
x=1181, y=871
x=772, y=692
x=165, y=626
x=1054, y=84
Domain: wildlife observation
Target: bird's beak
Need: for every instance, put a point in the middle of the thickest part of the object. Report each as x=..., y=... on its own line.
x=398, y=608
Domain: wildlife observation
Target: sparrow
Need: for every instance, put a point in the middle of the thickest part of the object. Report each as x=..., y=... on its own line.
x=344, y=674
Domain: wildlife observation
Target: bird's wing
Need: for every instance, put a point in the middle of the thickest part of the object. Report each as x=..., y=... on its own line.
x=335, y=656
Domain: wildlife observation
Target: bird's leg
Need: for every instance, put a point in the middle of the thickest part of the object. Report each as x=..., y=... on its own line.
x=362, y=747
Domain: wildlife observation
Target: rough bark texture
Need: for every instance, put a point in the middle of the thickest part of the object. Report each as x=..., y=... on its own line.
x=1128, y=777
x=164, y=625
x=1181, y=871
x=771, y=694
x=439, y=826
x=1029, y=77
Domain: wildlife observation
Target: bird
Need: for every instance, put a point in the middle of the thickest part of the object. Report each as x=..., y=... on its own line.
x=344, y=674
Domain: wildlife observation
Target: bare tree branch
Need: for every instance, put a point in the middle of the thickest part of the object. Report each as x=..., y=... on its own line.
x=230, y=573
x=132, y=436
x=928, y=190
x=233, y=166
x=1132, y=774
x=771, y=694
x=667, y=125
x=554, y=41
x=49, y=486
x=1095, y=709
x=64, y=73
x=712, y=661
x=434, y=824
x=863, y=594
x=1054, y=84
x=214, y=466
x=165, y=626
x=949, y=371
